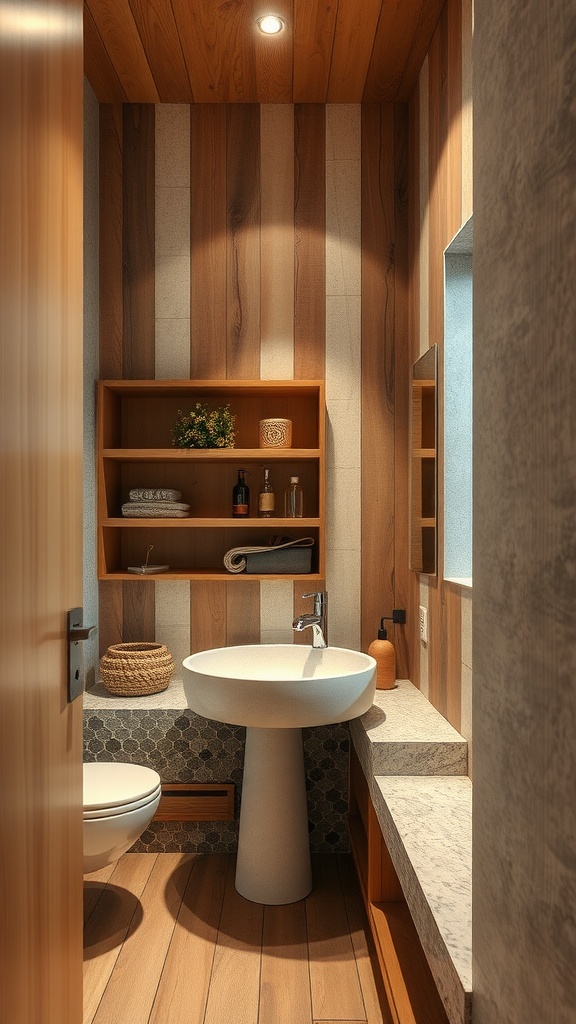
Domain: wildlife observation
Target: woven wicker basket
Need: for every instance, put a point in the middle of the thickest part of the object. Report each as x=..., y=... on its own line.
x=132, y=670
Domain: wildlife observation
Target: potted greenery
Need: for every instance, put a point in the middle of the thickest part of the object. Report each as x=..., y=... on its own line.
x=201, y=428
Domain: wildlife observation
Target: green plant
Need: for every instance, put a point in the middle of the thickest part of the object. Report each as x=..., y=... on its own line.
x=201, y=428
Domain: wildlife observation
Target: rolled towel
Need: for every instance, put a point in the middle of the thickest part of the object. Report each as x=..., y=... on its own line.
x=235, y=558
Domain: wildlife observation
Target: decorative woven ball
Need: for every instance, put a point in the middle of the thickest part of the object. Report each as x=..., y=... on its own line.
x=136, y=669
x=275, y=433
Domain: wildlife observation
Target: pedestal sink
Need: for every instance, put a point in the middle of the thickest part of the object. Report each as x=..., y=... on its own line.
x=275, y=690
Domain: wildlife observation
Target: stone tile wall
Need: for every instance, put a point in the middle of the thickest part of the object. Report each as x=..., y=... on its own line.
x=184, y=747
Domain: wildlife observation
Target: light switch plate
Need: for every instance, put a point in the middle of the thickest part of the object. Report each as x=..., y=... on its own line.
x=423, y=624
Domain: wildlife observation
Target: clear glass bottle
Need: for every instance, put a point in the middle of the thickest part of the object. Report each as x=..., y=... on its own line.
x=241, y=497
x=266, y=498
x=293, y=500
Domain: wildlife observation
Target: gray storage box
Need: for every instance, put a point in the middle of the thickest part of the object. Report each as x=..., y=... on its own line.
x=279, y=560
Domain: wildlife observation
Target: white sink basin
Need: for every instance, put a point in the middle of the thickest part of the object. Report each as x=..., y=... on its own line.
x=275, y=690
x=279, y=686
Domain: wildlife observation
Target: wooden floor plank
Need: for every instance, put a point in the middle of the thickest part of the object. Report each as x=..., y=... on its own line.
x=285, y=977
x=375, y=1002
x=106, y=930
x=183, y=992
x=130, y=993
x=234, y=989
x=335, y=987
x=94, y=886
x=212, y=957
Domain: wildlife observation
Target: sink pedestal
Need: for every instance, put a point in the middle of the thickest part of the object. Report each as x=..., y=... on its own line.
x=273, y=863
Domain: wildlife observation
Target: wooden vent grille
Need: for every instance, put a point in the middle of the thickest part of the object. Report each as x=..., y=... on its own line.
x=196, y=801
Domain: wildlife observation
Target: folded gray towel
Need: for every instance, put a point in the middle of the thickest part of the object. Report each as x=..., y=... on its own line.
x=155, y=510
x=154, y=494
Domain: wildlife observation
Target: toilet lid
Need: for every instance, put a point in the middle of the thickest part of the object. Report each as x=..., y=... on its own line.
x=111, y=784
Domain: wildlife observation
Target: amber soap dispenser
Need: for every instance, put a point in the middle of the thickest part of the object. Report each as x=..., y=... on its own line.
x=382, y=650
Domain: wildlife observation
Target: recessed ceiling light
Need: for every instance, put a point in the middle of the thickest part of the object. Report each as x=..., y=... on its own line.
x=270, y=24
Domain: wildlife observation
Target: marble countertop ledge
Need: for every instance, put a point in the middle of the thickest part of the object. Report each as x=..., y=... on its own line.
x=404, y=734
x=98, y=698
x=427, y=826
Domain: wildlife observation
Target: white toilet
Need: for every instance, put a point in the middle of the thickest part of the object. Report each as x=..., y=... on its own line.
x=120, y=801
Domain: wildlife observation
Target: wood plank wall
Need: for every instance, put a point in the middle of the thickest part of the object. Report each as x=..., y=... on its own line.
x=41, y=119
x=440, y=201
x=257, y=303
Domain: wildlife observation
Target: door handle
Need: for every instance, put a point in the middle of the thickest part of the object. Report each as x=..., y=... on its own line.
x=77, y=632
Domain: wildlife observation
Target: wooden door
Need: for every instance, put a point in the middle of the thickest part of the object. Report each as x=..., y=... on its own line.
x=40, y=505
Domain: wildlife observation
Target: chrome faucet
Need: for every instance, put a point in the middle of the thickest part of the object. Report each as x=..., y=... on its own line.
x=317, y=619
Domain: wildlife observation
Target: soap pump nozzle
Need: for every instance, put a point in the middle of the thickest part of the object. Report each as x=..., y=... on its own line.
x=382, y=632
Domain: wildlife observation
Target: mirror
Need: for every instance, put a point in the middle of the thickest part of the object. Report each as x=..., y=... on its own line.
x=423, y=483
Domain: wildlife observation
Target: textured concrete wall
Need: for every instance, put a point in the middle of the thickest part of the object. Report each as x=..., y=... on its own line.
x=524, y=628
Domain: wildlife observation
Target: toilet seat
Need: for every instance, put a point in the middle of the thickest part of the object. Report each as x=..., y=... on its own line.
x=114, y=788
x=108, y=812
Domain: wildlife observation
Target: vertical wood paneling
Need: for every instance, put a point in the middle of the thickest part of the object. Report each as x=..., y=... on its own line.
x=343, y=361
x=110, y=613
x=41, y=116
x=454, y=128
x=453, y=648
x=208, y=241
x=138, y=611
x=138, y=240
x=422, y=176
x=466, y=115
x=378, y=361
x=243, y=613
x=110, y=268
x=404, y=580
x=277, y=241
x=440, y=163
x=413, y=346
x=243, y=241
x=310, y=229
x=207, y=615
x=438, y=157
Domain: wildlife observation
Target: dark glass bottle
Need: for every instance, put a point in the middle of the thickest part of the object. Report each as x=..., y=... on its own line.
x=241, y=496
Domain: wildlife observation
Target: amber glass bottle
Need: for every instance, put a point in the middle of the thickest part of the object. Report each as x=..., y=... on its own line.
x=241, y=497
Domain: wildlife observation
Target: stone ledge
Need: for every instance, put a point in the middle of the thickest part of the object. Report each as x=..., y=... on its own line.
x=415, y=764
x=404, y=734
x=98, y=698
x=426, y=823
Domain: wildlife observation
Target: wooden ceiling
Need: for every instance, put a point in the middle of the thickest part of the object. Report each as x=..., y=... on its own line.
x=210, y=51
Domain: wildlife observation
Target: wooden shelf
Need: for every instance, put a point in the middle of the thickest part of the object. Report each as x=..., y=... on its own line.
x=264, y=455
x=423, y=476
x=208, y=574
x=128, y=522
x=135, y=419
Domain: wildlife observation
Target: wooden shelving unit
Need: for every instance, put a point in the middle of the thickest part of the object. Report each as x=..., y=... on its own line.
x=410, y=989
x=423, y=511
x=134, y=436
